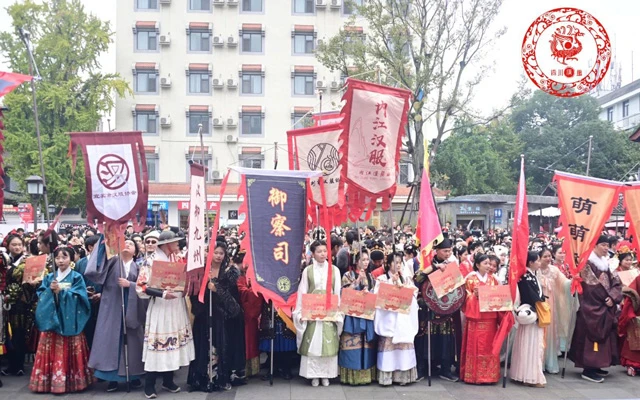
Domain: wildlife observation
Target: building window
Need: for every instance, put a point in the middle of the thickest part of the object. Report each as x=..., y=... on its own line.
x=350, y=6
x=195, y=118
x=199, y=83
x=146, y=122
x=610, y=114
x=251, y=121
x=303, y=7
x=197, y=157
x=303, y=43
x=252, y=5
x=303, y=84
x=199, y=5
x=199, y=40
x=146, y=39
x=625, y=108
x=252, y=163
x=301, y=120
x=403, y=175
x=252, y=42
x=252, y=83
x=145, y=77
x=153, y=162
x=147, y=4
x=251, y=157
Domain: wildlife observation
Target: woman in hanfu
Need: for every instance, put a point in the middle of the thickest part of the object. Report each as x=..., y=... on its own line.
x=478, y=364
x=557, y=288
x=227, y=324
x=527, y=362
x=357, y=357
x=396, y=331
x=62, y=359
x=629, y=328
x=318, y=341
x=559, y=257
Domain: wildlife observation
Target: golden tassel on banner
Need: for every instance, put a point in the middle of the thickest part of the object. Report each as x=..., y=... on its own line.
x=595, y=346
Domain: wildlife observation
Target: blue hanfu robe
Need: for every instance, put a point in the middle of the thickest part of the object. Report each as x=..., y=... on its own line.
x=69, y=314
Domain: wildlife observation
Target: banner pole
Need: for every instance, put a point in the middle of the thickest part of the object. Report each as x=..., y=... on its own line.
x=273, y=333
x=506, y=362
x=429, y=349
x=124, y=320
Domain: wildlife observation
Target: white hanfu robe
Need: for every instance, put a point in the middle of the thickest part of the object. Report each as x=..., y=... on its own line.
x=168, y=338
x=321, y=358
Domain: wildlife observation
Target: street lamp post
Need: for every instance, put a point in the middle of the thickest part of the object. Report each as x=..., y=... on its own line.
x=52, y=211
x=35, y=188
x=155, y=208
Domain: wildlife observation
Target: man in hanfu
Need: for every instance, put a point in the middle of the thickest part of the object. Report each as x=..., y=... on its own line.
x=444, y=314
x=594, y=343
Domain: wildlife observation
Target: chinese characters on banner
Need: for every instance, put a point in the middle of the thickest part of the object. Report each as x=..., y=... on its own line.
x=585, y=204
x=374, y=123
x=276, y=210
x=326, y=118
x=317, y=149
x=116, y=177
x=197, y=211
x=632, y=204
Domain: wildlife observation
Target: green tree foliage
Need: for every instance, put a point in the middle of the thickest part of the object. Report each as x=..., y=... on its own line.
x=72, y=95
x=551, y=132
x=423, y=45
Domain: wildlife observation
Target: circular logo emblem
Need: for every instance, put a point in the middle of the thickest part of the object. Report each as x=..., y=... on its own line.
x=566, y=52
x=323, y=156
x=113, y=171
x=284, y=284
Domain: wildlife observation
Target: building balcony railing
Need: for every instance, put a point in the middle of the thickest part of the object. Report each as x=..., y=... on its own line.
x=628, y=122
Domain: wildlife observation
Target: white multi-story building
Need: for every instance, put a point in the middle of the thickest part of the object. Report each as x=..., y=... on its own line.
x=244, y=69
x=622, y=106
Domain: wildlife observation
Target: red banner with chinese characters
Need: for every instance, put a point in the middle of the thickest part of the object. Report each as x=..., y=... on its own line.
x=585, y=205
x=196, y=255
x=375, y=120
x=116, y=176
x=631, y=193
x=317, y=149
x=326, y=118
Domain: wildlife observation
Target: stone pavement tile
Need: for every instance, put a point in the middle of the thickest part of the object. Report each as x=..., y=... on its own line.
x=307, y=392
x=262, y=390
x=605, y=393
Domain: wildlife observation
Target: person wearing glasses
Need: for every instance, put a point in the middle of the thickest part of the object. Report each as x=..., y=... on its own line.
x=151, y=242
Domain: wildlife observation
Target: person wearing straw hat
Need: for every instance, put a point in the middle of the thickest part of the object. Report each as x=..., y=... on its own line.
x=168, y=338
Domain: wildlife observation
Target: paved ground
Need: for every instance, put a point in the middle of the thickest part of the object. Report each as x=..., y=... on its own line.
x=617, y=386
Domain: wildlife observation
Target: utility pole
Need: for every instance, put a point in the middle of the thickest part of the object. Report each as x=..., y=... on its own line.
x=589, y=154
x=32, y=66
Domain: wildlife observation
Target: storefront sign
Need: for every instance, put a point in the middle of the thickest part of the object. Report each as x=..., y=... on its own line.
x=184, y=205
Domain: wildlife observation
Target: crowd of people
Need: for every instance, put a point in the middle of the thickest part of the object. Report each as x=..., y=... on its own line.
x=68, y=323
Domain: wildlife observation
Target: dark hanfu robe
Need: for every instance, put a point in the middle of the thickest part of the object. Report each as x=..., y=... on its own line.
x=228, y=334
x=109, y=363
x=89, y=330
x=61, y=364
x=594, y=343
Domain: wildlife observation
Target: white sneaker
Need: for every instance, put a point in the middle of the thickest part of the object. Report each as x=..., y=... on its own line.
x=325, y=382
x=315, y=382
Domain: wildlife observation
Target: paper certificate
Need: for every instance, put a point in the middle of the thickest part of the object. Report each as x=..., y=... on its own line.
x=34, y=268
x=394, y=298
x=168, y=276
x=626, y=277
x=358, y=303
x=495, y=298
x=314, y=307
x=446, y=281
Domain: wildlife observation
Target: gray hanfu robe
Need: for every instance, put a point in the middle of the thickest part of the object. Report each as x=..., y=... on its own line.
x=108, y=335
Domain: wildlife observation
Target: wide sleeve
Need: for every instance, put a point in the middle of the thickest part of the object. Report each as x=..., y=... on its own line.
x=303, y=288
x=74, y=306
x=227, y=293
x=94, y=272
x=337, y=286
x=471, y=307
x=47, y=315
x=562, y=302
x=251, y=303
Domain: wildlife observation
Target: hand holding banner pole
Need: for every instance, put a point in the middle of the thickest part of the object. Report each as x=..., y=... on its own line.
x=124, y=317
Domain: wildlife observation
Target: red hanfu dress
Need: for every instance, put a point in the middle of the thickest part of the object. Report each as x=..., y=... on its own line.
x=252, y=306
x=477, y=362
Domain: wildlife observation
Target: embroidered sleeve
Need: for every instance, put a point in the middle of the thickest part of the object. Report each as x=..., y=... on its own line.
x=141, y=283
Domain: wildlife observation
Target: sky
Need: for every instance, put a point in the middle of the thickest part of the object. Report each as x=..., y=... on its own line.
x=619, y=17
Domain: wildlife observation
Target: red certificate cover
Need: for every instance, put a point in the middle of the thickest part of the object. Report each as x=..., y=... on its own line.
x=168, y=275
x=314, y=307
x=34, y=268
x=446, y=281
x=495, y=298
x=358, y=303
x=626, y=277
x=394, y=298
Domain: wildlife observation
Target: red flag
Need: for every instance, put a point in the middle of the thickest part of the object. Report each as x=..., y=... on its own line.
x=585, y=204
x=10, y=81
x=428, y=230
x=519, y=244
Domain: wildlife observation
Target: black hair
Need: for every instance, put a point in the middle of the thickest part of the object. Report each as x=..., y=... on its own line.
x=411, y=250
x=80, y=251
x=613, y=241
x=316, y=244
x=532, y=256
x=544, y=250
x=221, y=244
x=336, y=241
x=390, y=259
x=64, y=249
x=473, y=246
x=33, y=247
x=555, y=249
x=479, y=259
x=351, y=237
x=458, y=251
x=622, y=256
x=50, y=239
x=9, y=239
x=136, y=251
x=91, y=241
x=494, y=258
